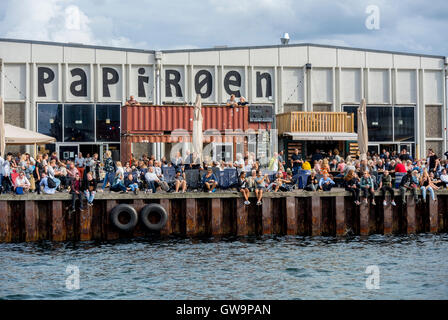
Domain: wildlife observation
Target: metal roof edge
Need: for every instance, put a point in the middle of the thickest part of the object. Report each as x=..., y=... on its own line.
x=68, y=44
x=76, y=45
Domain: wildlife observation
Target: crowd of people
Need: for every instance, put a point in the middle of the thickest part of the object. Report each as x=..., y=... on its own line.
x=320, y=172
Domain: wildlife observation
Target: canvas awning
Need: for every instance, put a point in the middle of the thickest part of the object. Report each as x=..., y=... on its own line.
x=323, y=136
x=19, y=136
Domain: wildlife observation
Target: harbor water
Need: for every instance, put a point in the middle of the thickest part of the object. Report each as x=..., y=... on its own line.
x=408, y=267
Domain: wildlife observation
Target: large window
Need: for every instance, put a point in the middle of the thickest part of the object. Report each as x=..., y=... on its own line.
x=387, y=123
x=404, y=125
x=88, y=123
x=49, y=120
x=79, y=123
x=107, y=122
x=379, y=121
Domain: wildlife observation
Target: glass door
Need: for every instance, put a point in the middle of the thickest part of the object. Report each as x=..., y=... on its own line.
x=68, y=152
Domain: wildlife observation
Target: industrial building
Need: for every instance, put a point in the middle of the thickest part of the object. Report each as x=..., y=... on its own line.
x=75, y=93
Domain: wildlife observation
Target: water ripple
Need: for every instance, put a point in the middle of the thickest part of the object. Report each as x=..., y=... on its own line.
x=411, y=267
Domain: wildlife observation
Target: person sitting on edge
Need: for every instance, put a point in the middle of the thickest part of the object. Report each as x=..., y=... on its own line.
x=131, y=184
x=386, y=186
x=232, y=101
x=22, y=184
x=367, y=187
x=407, y=184
x=90, y=189
x=260, y=186
x=75, y=190
x=180, y=181
x=326, y=183
x=44, y=183
x=351, y=185
x=243, y=187
x=444, y=178
x=278, y=182
x=209, y=181
x=312, y=184
x=152, y=180
x=132, y=102
x=426, y=184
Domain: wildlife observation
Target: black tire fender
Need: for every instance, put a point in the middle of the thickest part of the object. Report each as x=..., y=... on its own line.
x=115, y=213
x=154, y=208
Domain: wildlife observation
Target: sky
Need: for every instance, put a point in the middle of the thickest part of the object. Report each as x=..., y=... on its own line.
x=409, y=26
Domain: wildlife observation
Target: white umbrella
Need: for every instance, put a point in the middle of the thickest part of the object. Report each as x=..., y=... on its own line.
x=363, y=138
x=2, y=128
x=197, y=127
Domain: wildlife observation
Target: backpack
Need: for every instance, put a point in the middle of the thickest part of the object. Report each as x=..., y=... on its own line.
x=50, y=183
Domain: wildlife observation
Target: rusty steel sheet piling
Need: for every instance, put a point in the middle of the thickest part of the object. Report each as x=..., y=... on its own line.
x=33, y=218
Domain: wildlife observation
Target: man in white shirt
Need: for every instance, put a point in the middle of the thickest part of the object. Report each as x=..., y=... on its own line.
x=152, y=180
x=444, y=177
x=22, y=182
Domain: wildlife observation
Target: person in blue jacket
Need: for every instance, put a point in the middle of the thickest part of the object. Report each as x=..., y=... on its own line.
x=325, y=183
x=209, y=181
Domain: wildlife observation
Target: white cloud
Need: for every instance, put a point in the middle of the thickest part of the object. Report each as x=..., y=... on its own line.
x=149, y=24
x=53, y=20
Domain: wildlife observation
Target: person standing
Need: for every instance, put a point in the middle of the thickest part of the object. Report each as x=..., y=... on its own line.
x=80, y=163
x=296, y=162
x=109, y=168
x=37, y=173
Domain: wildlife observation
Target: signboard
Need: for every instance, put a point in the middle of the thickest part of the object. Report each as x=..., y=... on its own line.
x=260, y=113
